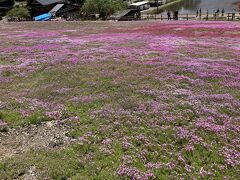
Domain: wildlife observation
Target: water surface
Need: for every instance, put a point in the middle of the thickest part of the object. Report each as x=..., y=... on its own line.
x=190, y=6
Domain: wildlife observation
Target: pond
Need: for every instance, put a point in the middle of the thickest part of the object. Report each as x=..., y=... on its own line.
x=191, y=6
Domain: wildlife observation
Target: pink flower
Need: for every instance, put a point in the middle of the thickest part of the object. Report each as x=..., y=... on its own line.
x=189, y=148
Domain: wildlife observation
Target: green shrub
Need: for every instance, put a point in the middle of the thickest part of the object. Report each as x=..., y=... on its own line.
x=103, y=7
x=18, y=12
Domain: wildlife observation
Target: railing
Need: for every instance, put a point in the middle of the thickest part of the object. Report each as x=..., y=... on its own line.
x=231, y=16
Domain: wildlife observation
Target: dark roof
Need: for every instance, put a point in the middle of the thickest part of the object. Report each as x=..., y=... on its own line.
x=120, y=14
x=6, y=3
x=124, y=13
x=48, y=2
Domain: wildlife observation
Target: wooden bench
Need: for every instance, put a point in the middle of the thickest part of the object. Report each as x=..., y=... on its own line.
x=231, y=15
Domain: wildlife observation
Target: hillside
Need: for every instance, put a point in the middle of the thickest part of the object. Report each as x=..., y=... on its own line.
x=112, y=100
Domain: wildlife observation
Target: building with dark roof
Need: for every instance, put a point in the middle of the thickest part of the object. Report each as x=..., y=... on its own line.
x=48, y=2
x=38, y=7
x=5, y=5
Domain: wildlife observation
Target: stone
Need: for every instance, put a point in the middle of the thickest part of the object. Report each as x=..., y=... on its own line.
x=2, y=105
x=3, y=126
x=49, y=124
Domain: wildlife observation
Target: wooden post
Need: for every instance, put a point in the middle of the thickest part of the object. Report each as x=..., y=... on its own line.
x=228, y=16
x=233, y=15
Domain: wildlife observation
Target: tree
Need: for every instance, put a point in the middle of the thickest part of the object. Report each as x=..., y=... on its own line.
x=18, y=12
x=103, y=7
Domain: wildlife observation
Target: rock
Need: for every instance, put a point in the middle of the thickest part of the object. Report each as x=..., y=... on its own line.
x=2, y=105
x=30, y=175
x=3, y=126
x=55, y=142
x=49, y=124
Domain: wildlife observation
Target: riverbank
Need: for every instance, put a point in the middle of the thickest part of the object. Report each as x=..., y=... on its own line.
x=238, y=5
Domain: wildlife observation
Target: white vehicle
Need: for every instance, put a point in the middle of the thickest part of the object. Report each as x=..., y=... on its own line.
x=143, y=5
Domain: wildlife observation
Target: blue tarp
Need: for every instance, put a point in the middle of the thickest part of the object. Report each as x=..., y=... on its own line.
x=43, y=17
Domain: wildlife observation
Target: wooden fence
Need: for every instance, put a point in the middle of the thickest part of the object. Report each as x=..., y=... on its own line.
x=227, y=16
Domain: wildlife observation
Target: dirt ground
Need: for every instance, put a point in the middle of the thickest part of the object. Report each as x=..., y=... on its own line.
x=36, y=137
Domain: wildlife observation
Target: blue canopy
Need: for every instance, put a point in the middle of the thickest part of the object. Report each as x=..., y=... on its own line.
x=43, y=17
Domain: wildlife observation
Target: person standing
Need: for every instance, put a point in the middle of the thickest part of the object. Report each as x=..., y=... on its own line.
x=197, y=13
x=217, y=12
x=176, y=15
x=215, y=15
x=223, y=11
x=200, y=12
x=169, y=15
